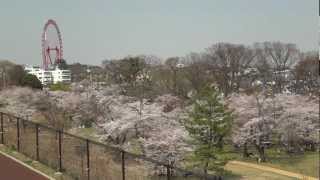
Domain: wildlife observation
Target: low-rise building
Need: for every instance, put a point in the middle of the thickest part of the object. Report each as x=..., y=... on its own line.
x=59, y=75
x=44, y=76
x=50, y=76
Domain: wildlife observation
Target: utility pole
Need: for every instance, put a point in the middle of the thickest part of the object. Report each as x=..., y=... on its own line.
x=90, y=76
x=4, y=77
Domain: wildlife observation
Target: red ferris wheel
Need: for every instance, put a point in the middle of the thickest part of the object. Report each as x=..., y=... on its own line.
x=51, y=44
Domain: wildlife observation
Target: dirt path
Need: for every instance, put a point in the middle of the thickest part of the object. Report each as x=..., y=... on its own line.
x=11, y=169
x=274, y=170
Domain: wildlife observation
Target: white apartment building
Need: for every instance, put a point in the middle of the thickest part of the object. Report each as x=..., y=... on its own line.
x=50, y=76
x=44, y=76
x=59, y=75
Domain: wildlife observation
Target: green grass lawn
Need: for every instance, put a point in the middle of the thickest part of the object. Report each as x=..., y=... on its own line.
x=246, y=173
x=307, y=163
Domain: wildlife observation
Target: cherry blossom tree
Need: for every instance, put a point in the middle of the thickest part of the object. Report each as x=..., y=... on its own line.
x=290, y=121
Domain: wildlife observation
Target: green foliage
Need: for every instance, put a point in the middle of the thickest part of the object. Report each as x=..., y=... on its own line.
x=59, y=87
x=63, y=64
x=208, y=123
x=87, y=123
x=31, y=81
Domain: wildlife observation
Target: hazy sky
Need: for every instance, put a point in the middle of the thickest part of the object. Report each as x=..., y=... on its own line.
x=93, y=30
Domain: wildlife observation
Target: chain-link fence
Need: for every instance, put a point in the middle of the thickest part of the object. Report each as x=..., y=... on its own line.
x=84, y=159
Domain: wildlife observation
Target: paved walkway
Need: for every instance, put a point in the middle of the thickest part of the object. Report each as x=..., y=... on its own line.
x=11, y=169
x=274, y=170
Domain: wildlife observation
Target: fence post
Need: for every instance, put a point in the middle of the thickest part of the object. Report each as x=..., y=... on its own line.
x=168, y=172
x=2, y=132
x=123, y=166
x=60, y=152
x=18, y=134
x=37, y=142
x=88, y=159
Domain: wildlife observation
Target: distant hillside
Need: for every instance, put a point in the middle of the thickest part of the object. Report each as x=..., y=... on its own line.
x=8, y=63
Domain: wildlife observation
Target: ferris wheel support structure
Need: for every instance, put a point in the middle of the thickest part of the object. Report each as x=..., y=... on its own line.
x=46, y=49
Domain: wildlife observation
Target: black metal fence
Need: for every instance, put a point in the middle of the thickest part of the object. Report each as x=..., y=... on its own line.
x=84, y=159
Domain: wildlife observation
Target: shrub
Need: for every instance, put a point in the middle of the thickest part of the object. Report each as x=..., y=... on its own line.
x=31, y=81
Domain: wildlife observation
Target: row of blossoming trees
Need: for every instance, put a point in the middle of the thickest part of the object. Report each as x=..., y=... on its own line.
x=270, y=86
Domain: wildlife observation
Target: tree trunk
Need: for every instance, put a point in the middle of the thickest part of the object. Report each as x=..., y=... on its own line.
x=245, y=150
x=175, y=82
x=261, y=152
x=205, y=170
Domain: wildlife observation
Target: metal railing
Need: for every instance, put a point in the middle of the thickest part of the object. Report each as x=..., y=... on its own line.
x=84, y=159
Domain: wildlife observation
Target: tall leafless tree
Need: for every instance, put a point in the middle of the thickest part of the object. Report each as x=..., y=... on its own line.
x=306, y=74
x=281, y=56
x=196, y=71
x=229, y=62
x=171, y=63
